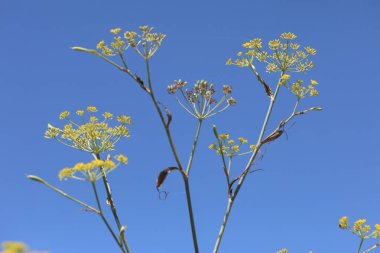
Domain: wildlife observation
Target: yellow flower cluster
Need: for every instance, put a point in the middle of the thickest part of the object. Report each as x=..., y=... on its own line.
x=360, y=228
x=343, y=222
x=284, y=79
x=283, y=251
x=229, y=147
x=148, y=40
x=301, y=91
x=284, y=55
x=94, y=136
x=92, y=171
x=14, y=247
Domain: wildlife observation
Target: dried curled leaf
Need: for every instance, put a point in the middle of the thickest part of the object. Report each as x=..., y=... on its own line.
x=273, y=136
x=169, y=116
x=162, y=176
x=268, y=91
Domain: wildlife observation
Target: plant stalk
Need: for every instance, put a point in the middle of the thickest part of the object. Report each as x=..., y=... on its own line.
x=104, y=218
x=223, y=227
x=112, y=203
x=40, y=180
x=248, y=166
x=174, y=151
x=194, y=147
x=360, y=245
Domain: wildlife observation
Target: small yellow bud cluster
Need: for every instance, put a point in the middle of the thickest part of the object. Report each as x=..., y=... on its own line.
x=80, y=113
x=301, y=92
x=360, y=228
x=106, y=51
x=288, y=36
x=286, y=56
x=200, y=100
x=255, y=43
x=229, y=147
x=343, y=222
x=284, y=79
x=14, y=247
x=94, y=136
x=124, y=120
x=92, y=109
x=283, y=251
x=92, y=171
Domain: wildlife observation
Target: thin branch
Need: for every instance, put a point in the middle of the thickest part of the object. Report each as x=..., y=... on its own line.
x=174, y=151
x=191, y=158
x=40, y=180
x=104, y=218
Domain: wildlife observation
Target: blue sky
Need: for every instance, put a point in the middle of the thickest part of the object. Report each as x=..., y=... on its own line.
x=326, y=168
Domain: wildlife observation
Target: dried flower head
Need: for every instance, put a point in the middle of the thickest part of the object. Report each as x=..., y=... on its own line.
x=200, y=101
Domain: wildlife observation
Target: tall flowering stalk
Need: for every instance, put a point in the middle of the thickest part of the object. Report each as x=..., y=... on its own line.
x=199, y=102
x=284, y=56
x=95, y=136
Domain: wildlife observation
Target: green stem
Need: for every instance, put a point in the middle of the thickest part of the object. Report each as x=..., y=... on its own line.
x=174, y=151
x=223, y=227
x=40, y=180
x=191, y=215
x=225, y=168
x=261, y=136
x=104, y=218
x=360, y=245
x=249, y=164
x=194, y=147
x=112, y=203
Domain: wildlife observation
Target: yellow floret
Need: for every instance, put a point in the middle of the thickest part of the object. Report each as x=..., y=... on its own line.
x=64, y=115
x=212, y=146
x=109, y=165
x=224, y=136
x=358, y=225
x=65, y=173
x=124, y=120
x=122, y=159
x=92, y=109
x=313, y=82
x=97, y=163
x=115, y=31
x=343, y=222
x=242, y=140
x=235, y=148
x=80, y=112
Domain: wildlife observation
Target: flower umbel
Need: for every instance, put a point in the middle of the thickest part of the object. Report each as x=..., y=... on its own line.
x=92, y=171
x=93, y=136
x=283, y=55
x=360, y=228
x=230, y=147
x=14, y=247
x=200, y=101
